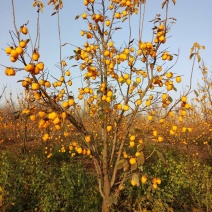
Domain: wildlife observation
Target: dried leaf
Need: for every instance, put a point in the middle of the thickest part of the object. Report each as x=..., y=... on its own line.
x=140, y=147
x=173, y=18
x=64, y=44
x=196, y=93
x=192, y=49
x=134, y=167
x=140, y=159
x=163, y=4
x=199, y=58
x=135, y=84
x=135, y=178
x=56, y=7
x=190, y=57
x=120, y=164
x=18, y=111
x=174, y=1
x=124, y=19
x=126, y=166
x=197, y=45
x=152, y=20
x=53, y=13
x=71, y=57
x=131, y=41
x=77, y=17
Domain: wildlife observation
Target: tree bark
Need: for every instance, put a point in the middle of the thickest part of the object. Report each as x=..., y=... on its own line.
x=106, y=182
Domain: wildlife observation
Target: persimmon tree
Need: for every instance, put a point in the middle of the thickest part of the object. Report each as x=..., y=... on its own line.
x=119, y=82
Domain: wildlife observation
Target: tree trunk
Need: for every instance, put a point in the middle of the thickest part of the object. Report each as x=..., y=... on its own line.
x=105, y=204
x=106, y=182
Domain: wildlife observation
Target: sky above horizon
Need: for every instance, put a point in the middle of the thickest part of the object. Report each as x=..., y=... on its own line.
x=193, y=25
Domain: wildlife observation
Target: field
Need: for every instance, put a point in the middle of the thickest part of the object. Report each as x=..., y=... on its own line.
x=55, y=176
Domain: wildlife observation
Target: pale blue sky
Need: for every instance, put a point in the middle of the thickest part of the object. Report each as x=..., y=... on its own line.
x=193, y=25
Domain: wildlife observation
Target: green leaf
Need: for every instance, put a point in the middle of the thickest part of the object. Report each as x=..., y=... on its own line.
x=174, y=88
x=140, y=147
x=149, y=196
x=102, y=116
x=170, y=99
x=113, y=200
x=65, y=128
x=114, y=97
x=137, y=130
x=99, y=91
x=161, y=157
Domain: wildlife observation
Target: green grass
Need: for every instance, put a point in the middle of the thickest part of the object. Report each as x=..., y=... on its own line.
x=31, y=182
